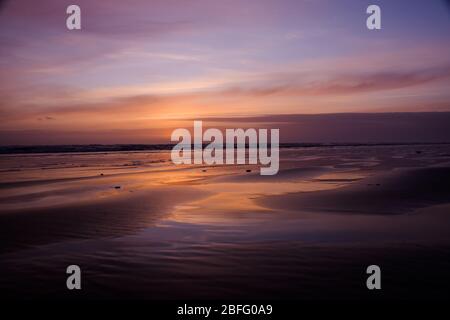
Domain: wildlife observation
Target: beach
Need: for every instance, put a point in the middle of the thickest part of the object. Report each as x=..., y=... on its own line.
x=141, y=227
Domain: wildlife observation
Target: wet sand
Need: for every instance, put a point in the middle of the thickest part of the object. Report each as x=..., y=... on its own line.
x=140, y=227
x=397, y=192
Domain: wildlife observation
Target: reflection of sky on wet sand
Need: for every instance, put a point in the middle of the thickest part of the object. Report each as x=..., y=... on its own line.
x=173, y=231
x=231, y=200
x=228, y=196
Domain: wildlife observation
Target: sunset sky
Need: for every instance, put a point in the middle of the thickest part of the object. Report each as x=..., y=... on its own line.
x=139, y=68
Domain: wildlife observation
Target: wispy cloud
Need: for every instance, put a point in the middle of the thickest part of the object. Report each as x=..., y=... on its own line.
x=141, y=64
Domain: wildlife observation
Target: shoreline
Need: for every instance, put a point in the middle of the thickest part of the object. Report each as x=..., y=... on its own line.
x=130, y=148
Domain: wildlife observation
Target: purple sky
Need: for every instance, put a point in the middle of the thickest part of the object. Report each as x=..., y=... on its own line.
x=139, y=68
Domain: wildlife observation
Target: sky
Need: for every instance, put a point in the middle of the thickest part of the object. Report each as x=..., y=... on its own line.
x=139, y=68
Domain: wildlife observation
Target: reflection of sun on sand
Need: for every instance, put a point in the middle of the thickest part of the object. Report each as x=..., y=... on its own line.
x=32, y=192
x=119, y=199
x=201, y=222
x=233, y=202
